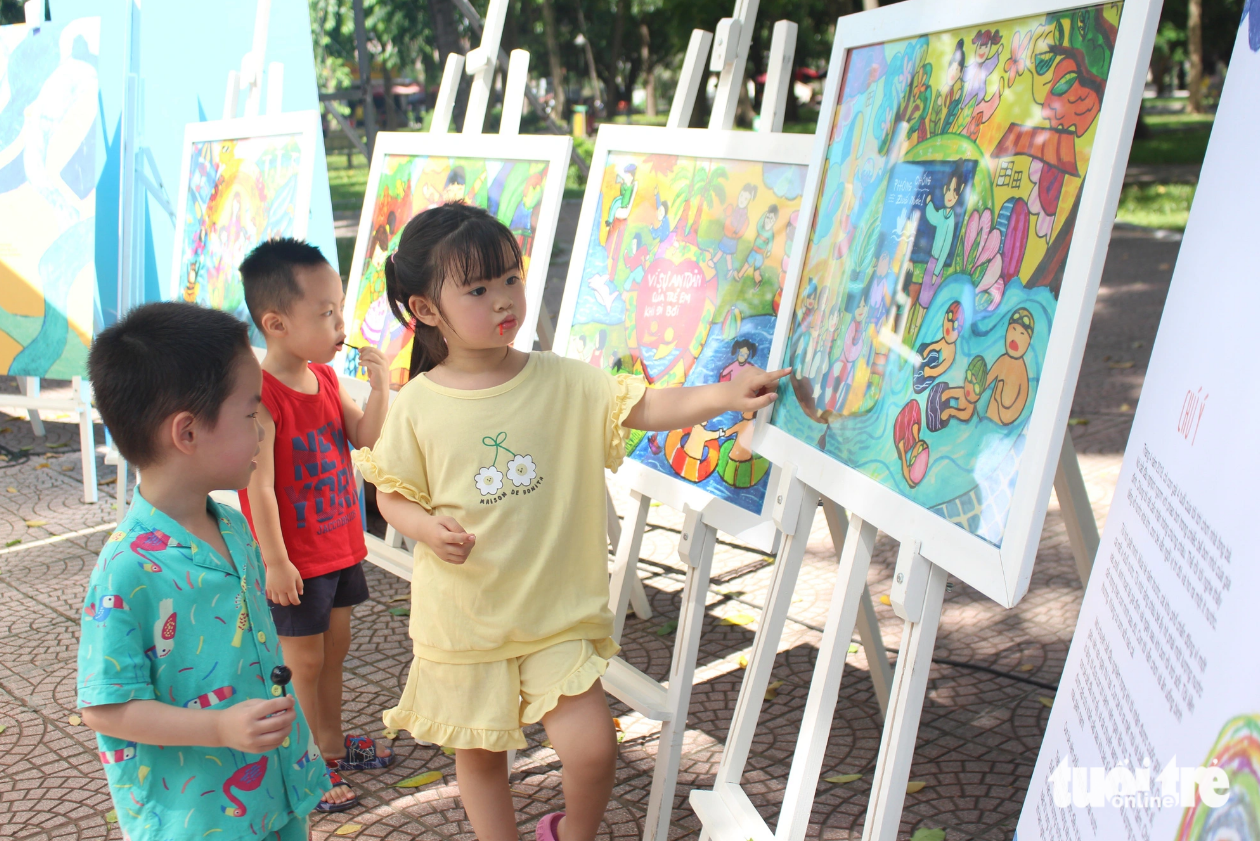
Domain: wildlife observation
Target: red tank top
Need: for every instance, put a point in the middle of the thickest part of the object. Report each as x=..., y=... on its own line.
x=315, y=489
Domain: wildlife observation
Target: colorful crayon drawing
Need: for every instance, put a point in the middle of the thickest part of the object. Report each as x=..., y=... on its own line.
x=408, y=184
x=946, y=208
x=240, y=192
x=48, y=165
x=681, y=284
x=1237, y=753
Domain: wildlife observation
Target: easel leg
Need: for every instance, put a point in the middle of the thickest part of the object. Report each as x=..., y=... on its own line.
x=752, y=691
x=867, y=621
x=87, y=441
x=30, y=387
x=696, y=551
x=896, y=748
x=1078, y=515
x=625, y=572
x=824, y=689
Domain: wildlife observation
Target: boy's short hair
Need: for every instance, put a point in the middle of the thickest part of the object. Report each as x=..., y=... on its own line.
x=267, y=275
x=161, y=359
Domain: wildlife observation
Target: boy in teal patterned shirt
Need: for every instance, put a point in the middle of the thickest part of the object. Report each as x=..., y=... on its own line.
x=178, y=646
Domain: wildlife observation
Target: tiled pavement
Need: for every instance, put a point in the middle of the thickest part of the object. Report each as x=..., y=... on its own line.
x=980, y=729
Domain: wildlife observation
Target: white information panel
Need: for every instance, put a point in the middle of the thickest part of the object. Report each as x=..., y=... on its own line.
x=1155, y=730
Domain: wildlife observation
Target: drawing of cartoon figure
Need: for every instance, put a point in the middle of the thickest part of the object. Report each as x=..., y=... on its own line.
x=636, y=261
x=661, y=232
x=618, y=213
x=455, y=189
x=597, y=353
x=840, y=377
x=1009, y=373
x=693, y=453
x=939, y=355
x=975, y=77
x=735, y=226
x=822, y=351
x=737, y=465
x=525, y=217
x=763, y=244
x=743, y=350
x=945, y=221
x=948, y=100
x=945, y=403
x=913, y=452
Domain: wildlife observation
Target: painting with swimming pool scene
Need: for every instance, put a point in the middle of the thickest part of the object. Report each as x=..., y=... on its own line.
x=946, y=205
x=682, y=259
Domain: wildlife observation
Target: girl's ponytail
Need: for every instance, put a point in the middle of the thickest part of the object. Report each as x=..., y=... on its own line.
x=455, y=241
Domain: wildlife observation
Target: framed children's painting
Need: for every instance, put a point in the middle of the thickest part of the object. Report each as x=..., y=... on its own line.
x=520, y=179
x=683, y=243
x=964, y=180
x=50, y=154
x=241, y=182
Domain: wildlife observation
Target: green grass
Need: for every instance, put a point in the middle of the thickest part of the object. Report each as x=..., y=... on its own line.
x=348, y=184
x=1156, y=205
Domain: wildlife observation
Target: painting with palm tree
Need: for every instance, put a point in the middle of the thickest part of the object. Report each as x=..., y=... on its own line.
x=682, y=260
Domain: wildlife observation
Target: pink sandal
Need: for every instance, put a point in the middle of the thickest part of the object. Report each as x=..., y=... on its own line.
x=548, y=826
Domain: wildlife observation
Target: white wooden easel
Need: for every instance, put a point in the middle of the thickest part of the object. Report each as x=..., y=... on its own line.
x=669, y=703
x=79, y=400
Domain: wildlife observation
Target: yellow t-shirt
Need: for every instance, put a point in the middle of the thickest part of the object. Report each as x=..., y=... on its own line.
x=521, y=466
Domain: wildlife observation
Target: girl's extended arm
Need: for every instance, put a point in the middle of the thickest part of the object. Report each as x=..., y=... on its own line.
x=444, y=535
x=254, y=726
x=663, y=409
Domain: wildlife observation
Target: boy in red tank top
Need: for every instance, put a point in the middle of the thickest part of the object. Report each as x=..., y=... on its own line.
x=301, y=501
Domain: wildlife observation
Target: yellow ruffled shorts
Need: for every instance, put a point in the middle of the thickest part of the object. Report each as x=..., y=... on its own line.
x=485, y=705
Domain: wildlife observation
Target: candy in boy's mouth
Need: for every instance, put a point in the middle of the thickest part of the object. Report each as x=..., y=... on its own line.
x=507, y=324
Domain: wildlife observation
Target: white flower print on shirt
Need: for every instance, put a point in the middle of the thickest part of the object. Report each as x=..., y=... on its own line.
x=521, y=470
x=489, y=480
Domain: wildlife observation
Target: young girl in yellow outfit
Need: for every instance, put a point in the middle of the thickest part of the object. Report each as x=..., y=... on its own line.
x=493, y=460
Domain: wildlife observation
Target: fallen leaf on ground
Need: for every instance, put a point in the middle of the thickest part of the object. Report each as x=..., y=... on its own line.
x=67, y=467
x=617, y=723
x=1126, y=364
x=11, y=490
x=843, y=778
x=1078, y=421
x=772, y=691
x=914, y=786
x=448, y=751
x=853, y=648
x=1027, y=667
x=36, y=523
x=400, y=599
x=6, y=429
x=545, y=743
x=739, y=619
x=56, y=446
x=1125, y=407
x=924, y=834
x=111, y=816
x=667, y=628
x=347, y=829
x=43, y=465
x=3, y=727
x=1137, y=345
x=13, y=543
x=389, y=733
x=110, y=481
x=743, y=661
x=400, y=611
x=419, y=780
x=885, y=600
x=1046, y=702
x=26, y=449
x=75, y=721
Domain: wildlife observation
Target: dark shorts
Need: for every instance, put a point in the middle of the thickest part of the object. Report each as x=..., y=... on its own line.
x=343, y=588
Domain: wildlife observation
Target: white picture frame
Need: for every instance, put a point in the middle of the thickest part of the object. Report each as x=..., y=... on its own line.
x=304, y=126
x=755, y=528
x=1003, y=572
x=554, y=150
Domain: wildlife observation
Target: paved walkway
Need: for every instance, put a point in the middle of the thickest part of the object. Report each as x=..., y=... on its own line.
x=980, y=732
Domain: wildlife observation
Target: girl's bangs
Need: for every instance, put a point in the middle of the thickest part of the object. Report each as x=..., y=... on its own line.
x=480, y=249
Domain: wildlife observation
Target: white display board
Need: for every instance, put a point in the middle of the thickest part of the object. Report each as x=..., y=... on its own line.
x=1162, y=676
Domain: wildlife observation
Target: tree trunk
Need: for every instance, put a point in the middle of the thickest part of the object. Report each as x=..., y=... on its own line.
x=391, y=112
x=590, y=59
x=1194, y=46
x=553, y=57
x=619, y=85
x=867, y=5
x=446, y=35
x=649, y=70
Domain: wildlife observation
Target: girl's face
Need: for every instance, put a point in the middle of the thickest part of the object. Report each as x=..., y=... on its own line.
x=482, y=315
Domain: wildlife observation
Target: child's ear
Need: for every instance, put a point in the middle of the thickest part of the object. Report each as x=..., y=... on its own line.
x=181, y=427
x=424, y=311
x=273, y=322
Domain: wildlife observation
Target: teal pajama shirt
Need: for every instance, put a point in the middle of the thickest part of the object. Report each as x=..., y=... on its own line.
x=167, y=618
